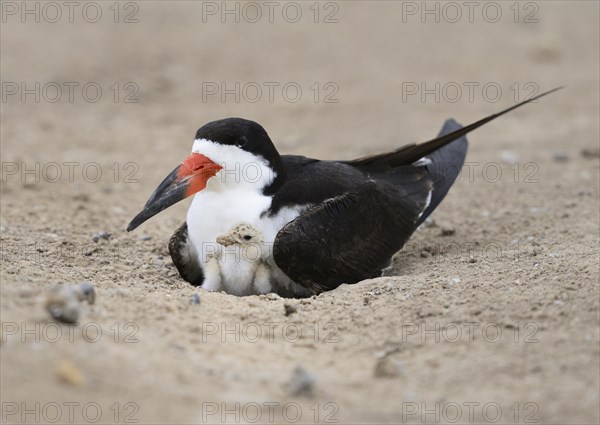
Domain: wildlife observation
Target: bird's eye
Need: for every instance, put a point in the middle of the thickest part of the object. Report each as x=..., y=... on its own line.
x=247, y=237
x=241, y=141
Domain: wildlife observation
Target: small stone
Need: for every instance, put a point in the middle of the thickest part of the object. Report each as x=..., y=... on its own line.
x=69, y=373
x=509, y=156
x=537, y=210
x=81, y=197
x=145, y=237
x=289, y=309
x=62, y=303
x=386, y=367
x=560, y=156
x=195, y=299
x=455, y=280
x=301, y=382
x=472, y=260
x=101, y=235
x=447, y=230
x=590, y=153
x=547, y=54
x=85, y=291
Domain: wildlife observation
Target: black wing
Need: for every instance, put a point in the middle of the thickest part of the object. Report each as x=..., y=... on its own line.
x=444, y=166
x=185, y=257
x=351, y=237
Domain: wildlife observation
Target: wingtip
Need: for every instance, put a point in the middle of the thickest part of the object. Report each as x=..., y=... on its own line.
x=547, y=93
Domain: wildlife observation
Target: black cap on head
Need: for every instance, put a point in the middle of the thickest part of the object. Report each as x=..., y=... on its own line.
x=247, y=135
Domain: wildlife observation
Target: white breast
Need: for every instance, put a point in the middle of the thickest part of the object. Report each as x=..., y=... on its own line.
x=213, y=214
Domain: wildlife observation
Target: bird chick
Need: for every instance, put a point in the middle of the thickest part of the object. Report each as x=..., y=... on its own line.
x=242, y=242
x=242, y=234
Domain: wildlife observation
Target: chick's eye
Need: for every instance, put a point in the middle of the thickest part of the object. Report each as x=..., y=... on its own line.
x=247, y=237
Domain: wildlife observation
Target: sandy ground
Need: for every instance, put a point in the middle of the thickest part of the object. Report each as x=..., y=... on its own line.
x=489, y=314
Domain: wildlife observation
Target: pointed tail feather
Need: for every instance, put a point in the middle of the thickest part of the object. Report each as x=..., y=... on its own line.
x=408, y=154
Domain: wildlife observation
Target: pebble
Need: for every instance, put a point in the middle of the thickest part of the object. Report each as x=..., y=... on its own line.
x=101, y=235
x=289, y=309
x=455, y=280
x=301, y=382
x=145, y=238
x=447, y=230
x=546, y=54
x=537, y=210
x=509, y=156
x=69, y=373
x=590, y=153
x=85, y=291
x=195, y=299
x=386, y=367
x=62, y=303
x=560, y=156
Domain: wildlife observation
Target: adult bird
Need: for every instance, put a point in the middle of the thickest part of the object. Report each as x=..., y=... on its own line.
x=325, y=222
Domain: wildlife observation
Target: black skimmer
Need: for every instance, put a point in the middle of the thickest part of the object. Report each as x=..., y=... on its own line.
x=325, y=222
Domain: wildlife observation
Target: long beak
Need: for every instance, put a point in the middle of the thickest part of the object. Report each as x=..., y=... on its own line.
x=187, y=179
